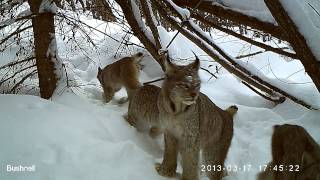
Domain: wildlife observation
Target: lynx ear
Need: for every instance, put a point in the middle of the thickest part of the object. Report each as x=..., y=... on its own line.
x=138, y=57
x=169, y=65
x=196, y=63
x=99, y=70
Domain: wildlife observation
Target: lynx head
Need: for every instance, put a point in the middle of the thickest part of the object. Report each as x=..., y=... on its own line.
x=182, y=83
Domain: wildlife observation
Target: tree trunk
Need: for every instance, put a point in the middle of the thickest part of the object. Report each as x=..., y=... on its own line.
x=43, y=29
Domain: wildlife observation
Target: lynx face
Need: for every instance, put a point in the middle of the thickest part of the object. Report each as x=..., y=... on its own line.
x=183, y=82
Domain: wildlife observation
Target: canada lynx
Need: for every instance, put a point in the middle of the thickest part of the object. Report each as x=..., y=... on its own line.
x=292, y=146
x=190, y=122
x=124, y=72
x=143, y=111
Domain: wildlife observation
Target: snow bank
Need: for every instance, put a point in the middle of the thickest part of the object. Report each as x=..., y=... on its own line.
x=65, y=142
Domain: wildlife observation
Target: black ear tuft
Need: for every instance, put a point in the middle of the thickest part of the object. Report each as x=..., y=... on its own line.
x=168, y=64
x=196, y=63
x=99, y=70
x=139, y=54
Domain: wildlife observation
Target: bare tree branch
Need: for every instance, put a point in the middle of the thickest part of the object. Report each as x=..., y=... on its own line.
x=297, y=41
x=17, y=62
x=249, y=40
x=225, y=13
x=22, y=80
x=18, y=31
x=129, y=15
x=234, y=67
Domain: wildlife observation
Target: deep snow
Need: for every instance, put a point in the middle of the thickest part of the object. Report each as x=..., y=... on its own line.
x=75, y=137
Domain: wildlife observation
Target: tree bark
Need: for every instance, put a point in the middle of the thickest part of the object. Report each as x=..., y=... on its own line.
x=297, y=41
x=44, y=32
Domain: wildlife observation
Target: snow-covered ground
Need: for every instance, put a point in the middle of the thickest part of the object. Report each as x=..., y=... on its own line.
x=76, y=136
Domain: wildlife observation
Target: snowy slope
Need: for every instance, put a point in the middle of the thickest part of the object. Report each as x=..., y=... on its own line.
x=66, y=141
x=78, y=138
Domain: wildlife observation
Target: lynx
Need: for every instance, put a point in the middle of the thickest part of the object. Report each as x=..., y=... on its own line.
x=143, y=111
x=190, y=122
x=293, y=145
x=124, y=72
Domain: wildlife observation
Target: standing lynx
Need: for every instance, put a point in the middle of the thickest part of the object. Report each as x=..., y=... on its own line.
x=143, y=111
x=293, y=146
x=124, y=72
x=190, y=122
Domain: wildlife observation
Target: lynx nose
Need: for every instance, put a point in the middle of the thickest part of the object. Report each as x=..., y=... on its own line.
x=193, y=94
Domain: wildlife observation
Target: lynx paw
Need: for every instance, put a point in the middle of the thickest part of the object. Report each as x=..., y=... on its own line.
x=162, y=171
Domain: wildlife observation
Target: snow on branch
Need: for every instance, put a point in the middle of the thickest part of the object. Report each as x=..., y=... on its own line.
x=142, y=25
x=208, y=46
x=280, y=51
x=126, y=6
x=151, y=21
x=305, y=47
x=234, y=16
x=184, y=13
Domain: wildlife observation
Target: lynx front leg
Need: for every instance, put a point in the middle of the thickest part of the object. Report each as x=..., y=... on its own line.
x=215, y=155
x=108, y=93
x=169, y=163
x=190, y=159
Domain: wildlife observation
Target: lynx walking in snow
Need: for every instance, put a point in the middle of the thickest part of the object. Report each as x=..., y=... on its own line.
x=124, y=72
x=190, y=122
x=294, y=150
